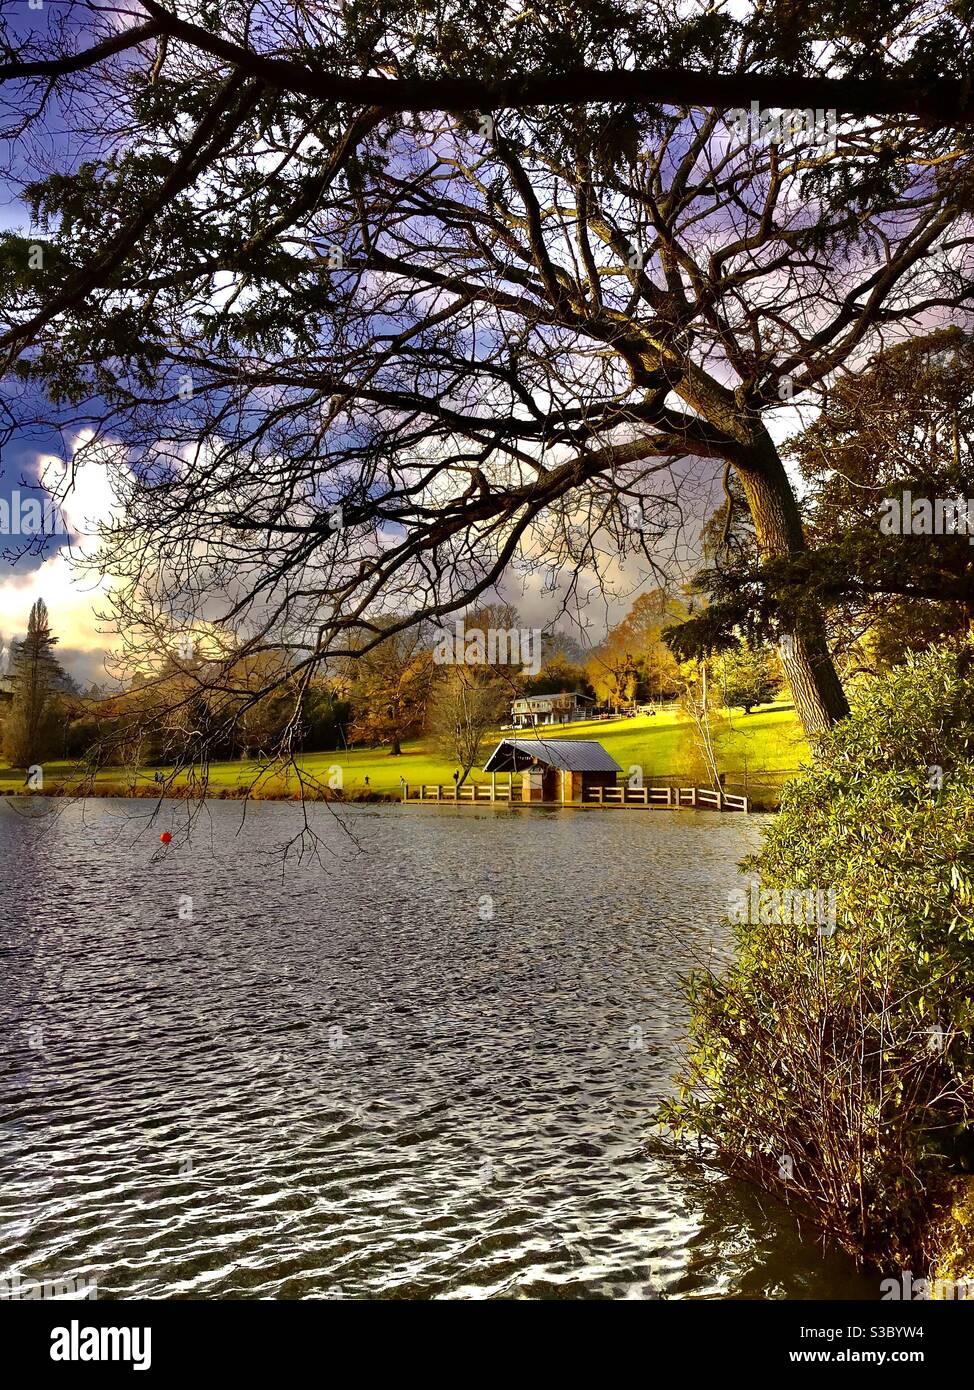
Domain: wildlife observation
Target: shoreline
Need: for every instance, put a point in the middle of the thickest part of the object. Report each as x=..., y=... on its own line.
x=151, y=792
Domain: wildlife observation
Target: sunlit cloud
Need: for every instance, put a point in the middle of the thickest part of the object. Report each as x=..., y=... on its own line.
x=73, y=598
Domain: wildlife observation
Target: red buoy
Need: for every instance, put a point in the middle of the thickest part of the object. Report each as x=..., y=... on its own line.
x=165, y=837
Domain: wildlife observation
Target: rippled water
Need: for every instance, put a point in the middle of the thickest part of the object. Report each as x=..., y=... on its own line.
x=421, y=1067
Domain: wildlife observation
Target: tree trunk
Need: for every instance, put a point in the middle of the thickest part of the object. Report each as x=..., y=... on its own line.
x=815, y=686
x=394, y=746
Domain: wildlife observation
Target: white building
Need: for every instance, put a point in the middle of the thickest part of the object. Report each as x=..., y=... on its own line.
x=562, y=708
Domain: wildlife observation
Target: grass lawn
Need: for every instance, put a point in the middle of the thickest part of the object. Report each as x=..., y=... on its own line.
x=769, y=740
x=663, y=745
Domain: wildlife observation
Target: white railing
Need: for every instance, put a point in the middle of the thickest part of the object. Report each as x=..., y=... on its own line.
x=697, y=798
x=470, y=791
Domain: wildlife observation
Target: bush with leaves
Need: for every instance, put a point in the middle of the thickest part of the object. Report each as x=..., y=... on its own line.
x=833, y=1064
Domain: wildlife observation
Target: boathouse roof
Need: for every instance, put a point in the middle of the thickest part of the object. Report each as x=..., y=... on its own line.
x=569, y=754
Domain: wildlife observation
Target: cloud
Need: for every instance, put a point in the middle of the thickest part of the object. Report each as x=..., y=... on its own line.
x=71, y=598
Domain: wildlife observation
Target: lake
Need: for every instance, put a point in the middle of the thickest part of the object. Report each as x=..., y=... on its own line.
x=418, y=1060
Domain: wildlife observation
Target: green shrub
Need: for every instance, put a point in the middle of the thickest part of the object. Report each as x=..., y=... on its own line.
x=836, y=1069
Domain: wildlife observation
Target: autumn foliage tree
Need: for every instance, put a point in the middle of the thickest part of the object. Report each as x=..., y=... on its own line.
x=634, y=661
x=389, y=687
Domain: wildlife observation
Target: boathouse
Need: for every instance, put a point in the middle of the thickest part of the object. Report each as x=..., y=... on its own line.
x=562, y=769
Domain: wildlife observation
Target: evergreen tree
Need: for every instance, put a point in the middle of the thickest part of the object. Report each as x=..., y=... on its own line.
x=37, y=679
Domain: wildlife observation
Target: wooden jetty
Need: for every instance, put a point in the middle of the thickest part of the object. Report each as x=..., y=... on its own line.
x=629, y=798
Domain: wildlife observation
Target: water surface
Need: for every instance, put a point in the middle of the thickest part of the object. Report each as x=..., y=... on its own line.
x=419, y=1064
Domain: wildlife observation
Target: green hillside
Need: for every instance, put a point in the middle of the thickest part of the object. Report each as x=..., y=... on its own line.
x=765, y=746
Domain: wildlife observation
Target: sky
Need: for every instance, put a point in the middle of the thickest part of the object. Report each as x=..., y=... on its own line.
x=74, y=600
x=71, y=598
x=60, y=578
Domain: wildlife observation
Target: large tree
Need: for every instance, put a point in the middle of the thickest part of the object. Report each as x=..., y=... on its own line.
x=905, y=425
x=422, y=58
x=362, y=359
x=888, y=442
